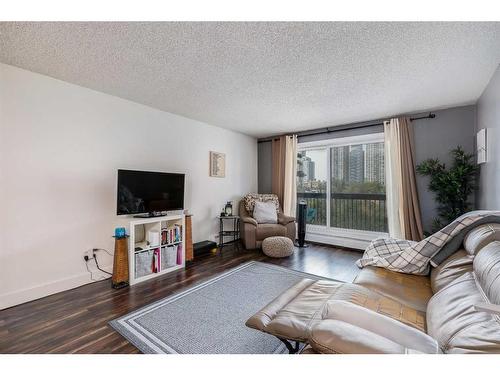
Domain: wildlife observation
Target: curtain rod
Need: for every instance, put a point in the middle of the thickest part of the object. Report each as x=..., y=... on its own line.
x=347, y=127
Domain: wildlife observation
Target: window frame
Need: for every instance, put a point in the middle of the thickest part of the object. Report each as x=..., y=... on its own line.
x=339, y=236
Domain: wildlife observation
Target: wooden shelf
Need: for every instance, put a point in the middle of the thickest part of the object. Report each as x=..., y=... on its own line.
x=189, y=239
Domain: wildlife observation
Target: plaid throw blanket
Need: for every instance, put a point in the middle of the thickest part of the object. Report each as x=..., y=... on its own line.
x=416, y=257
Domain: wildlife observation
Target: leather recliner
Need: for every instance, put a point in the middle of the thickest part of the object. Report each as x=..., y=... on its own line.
x=388, y=312
x=253, y=233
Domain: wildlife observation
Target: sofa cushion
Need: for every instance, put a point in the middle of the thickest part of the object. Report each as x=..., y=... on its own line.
x=349, y=328
x=265, y=213
x=479, y=237
x=381, y=304
x=487, y=271
x=338, y=337
x=263, y=231
x=451, y=317
x=411, y=290
x=483, y=337
x=450, y=270
x=451, y=311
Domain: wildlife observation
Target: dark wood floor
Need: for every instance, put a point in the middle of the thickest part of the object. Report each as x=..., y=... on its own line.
x=75, y=321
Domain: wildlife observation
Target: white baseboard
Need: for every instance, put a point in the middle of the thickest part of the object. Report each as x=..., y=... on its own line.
x=341, y=237
x=29, y=294
x=337, y=241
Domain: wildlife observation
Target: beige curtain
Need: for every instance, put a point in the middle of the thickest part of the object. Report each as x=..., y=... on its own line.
x=278, y=168
x=392, y=177
x=284, y=184
x=403, y=211
x=290, y=184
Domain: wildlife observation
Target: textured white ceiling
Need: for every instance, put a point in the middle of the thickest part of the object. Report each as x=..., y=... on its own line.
x=266, y=78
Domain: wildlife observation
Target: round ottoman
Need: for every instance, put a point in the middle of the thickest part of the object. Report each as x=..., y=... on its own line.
x=277, y=247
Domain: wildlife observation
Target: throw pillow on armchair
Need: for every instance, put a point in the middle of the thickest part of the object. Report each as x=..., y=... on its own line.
x=265, y=212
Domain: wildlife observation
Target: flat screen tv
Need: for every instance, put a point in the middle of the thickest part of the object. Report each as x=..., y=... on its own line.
x=141, y=192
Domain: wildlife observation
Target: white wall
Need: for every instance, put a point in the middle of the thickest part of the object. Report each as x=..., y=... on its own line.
x=60, y=147
x=488, y=117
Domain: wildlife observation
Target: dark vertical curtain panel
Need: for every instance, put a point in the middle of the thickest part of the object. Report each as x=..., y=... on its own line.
x=410, y=209
x=278, y=170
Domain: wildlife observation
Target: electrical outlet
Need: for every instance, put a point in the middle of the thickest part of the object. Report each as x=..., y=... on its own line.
x=89, y=254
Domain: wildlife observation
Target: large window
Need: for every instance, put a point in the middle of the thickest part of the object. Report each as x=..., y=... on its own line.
x=312, y=184
x=343, y=183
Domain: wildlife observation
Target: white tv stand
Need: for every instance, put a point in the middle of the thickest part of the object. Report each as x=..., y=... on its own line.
x=138, y=239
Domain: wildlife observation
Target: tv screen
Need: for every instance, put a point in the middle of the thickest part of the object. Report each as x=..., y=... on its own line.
x=145, y=192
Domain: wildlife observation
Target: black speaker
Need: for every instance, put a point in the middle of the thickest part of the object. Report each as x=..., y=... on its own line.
x=301, y=223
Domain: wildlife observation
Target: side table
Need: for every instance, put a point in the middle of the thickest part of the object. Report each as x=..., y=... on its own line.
x=234, y=232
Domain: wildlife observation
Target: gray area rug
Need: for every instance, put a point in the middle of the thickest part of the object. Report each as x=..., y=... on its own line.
x=210, y=317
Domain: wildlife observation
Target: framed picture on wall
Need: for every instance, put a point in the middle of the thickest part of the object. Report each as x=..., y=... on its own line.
x=217, y=164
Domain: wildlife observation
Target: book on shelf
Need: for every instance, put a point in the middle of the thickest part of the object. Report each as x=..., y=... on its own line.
x=156, y=266
x=171, y=235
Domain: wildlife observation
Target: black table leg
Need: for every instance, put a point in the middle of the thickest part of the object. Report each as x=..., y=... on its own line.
x=234, y=230
x=238, y=235
x=221, y=237
x=234, y=233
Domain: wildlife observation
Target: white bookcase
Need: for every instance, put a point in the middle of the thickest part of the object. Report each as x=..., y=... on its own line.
x=140, y=248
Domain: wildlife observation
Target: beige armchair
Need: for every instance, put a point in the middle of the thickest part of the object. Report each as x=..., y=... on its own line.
x=253, y=233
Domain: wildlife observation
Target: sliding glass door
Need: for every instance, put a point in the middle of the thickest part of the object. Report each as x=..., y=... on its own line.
x=312, y=178
x=358, y=187
x=343, y=182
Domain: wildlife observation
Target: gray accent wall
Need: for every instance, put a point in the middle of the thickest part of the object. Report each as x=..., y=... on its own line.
x=488, y=117
x=265, y=163
x=434, y=138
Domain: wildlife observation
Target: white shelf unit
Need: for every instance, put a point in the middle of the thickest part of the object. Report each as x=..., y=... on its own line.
x=138, y=238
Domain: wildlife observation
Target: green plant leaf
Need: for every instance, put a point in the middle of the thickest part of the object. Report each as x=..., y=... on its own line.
x=452, y=187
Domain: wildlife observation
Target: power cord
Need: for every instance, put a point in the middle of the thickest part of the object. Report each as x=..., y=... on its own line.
x=98, y=249
x=86, y=258
x=97, y=263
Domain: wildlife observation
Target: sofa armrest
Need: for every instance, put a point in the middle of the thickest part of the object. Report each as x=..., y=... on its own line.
x=284, y=220
x=355, y=327
x=263, y=320
x=249, y=220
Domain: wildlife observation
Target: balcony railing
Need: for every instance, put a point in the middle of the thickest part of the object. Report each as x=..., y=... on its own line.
x=347, y=210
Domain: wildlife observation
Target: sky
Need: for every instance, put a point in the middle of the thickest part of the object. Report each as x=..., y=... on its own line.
x=319, y=158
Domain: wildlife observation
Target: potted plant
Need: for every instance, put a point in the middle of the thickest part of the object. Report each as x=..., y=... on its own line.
x=453, y=186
